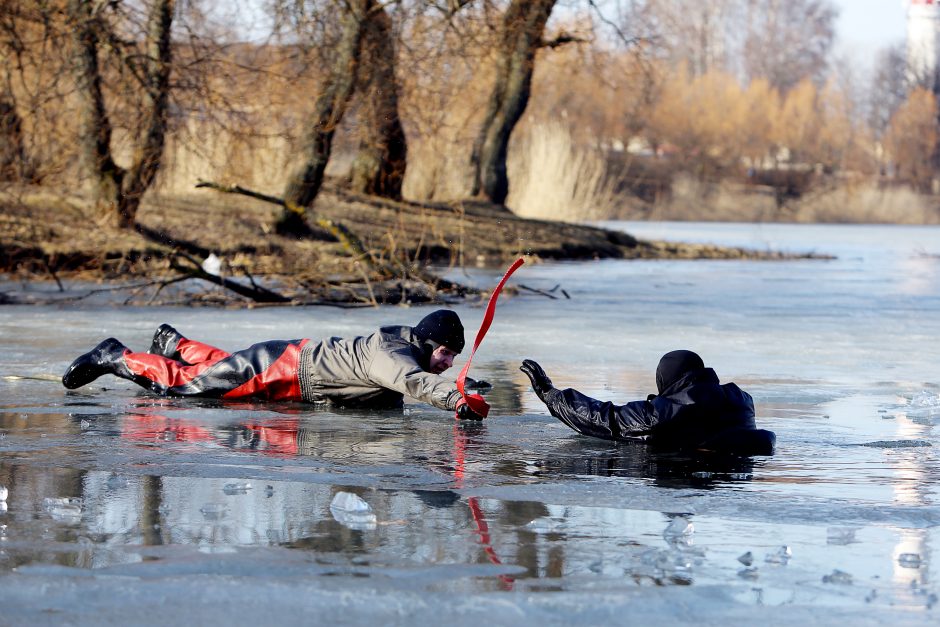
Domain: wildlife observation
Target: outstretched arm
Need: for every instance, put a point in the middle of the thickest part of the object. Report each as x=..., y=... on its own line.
x=396, y=369
x=600, y=419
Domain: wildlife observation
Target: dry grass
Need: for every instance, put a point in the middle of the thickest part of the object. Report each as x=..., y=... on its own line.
x=868, y=203
x=840, y=202
x=551, y=177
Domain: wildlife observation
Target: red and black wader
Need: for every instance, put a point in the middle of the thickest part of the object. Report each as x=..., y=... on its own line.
x=267, y=370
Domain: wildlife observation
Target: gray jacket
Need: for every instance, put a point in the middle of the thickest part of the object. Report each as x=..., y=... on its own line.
x=374, y=371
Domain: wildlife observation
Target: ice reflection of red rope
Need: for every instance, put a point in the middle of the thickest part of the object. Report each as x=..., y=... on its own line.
x=483, y=530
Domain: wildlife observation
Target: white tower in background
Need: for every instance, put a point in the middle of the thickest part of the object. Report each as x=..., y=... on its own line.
x=923, y=42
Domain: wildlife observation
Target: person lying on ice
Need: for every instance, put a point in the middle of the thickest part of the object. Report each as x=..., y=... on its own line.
x=371, y=371
x=692, y=410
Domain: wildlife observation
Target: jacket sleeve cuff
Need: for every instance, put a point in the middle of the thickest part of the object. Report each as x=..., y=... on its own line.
x=451, y=402
x=551, y=397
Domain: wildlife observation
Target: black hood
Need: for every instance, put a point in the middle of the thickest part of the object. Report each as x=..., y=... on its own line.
x=674, y=365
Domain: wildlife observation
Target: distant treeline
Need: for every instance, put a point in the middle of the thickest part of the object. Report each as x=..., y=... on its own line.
x=669, y=108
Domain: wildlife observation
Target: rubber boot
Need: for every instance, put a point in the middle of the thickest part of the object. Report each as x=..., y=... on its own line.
x=166, y=342
x=106, y=358
x=170, y=343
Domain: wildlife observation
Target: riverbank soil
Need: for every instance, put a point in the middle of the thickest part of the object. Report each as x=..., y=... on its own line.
x=57, y=238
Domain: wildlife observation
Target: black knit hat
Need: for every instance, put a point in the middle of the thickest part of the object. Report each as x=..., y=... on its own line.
x=674, y=365
x=442, y=326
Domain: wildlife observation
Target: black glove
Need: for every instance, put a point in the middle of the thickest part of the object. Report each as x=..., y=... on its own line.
x=540, y=381
x=465, y=412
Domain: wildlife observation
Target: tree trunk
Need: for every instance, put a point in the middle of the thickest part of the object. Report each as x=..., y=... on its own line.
x=117, y=192
x=13, y=161
x=379, y=167
x=149, y=153
x=519, y=40
x=304, y=185
x=95, y=131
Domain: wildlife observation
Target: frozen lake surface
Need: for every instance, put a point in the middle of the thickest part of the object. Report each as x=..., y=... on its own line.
x=123, y=508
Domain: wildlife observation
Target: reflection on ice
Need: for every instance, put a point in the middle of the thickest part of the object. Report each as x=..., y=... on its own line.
x=213, y=511
x=65, y=510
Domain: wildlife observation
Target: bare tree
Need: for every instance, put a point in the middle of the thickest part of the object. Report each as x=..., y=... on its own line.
x=788, y=40
x=700, y=35
x=888, y=87
x=13, y=159
x=118, y=191
x=328, y=111
x=29, y=36
x=379, y=167
x=519, y=39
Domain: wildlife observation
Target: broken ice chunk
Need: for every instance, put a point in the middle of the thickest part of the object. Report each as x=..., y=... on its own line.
x=679, y=526
x=839, y=577
x=212, y=511
x=781, y=556
x=840, y=535
x=351, y=511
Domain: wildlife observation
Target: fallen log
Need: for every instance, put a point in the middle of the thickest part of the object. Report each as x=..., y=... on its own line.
x=256, y=293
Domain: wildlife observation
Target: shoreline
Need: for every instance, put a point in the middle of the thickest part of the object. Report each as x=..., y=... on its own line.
x=184, y=244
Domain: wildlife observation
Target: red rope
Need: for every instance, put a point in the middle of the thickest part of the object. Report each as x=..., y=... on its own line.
x=474, y=400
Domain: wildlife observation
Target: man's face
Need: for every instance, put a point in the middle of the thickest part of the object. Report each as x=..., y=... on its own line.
x=441, y=359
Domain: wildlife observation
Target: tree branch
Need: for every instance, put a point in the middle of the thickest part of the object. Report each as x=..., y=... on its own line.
x=561, y=40
x=257, y=294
